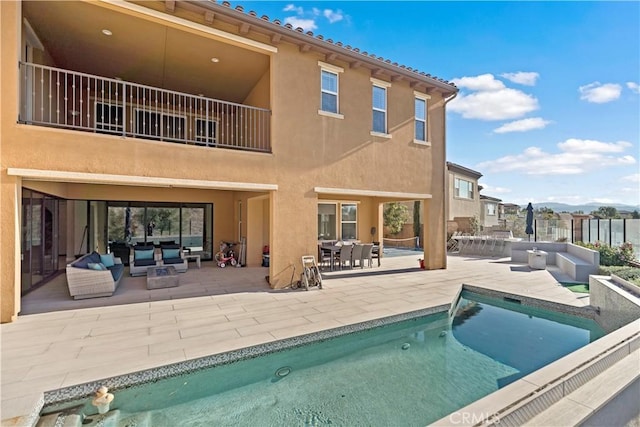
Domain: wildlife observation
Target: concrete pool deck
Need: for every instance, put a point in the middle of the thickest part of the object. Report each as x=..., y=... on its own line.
x=217, y=310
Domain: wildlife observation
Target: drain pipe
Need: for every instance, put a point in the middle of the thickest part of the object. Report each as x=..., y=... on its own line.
x=445, y=187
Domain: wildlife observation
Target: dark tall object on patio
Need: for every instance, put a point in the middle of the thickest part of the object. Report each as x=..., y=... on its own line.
x=529, y=229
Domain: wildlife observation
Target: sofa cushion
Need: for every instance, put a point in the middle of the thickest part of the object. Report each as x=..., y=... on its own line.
x=116, y=271
x=82, y=262
x=108, y=260
x=144, y=262
x=143, y=253
x=177, y=260
x=96, y=266
x=95, y=257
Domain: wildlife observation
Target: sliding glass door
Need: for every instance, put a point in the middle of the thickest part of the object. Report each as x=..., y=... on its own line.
x=40, y=232
x=189, y=225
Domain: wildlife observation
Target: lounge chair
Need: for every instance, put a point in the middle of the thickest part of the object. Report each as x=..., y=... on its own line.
x=141, y=258
x=173, y=255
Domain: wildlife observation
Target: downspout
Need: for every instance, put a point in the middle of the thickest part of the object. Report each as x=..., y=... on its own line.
x=445, y=187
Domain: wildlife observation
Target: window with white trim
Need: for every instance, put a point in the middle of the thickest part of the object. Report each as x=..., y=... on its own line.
x=337, y=221
x=379, y=103
x=463, y=188
x=349, y=221
x=329, y=89
x=491, y=209
x=420, y=102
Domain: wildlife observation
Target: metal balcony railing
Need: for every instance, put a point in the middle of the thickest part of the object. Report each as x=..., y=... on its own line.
x=61, y=98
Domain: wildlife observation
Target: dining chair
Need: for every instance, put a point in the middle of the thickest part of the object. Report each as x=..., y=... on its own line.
x=356, y=255
x=345, y=256
x=366, y=255
x=375, y=252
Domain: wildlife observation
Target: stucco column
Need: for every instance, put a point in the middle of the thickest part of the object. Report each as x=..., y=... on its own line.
x=10, y=247
x=10, y=21
x=434, y=231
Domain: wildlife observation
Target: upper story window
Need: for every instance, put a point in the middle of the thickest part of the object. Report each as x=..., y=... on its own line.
x=491, y=209
x=379, y=104
x=463, y=188
x=329, y=90
x=420, y=131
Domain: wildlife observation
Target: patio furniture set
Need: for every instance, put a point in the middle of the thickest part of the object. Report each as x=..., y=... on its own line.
x=492, y=244
x=347, y=254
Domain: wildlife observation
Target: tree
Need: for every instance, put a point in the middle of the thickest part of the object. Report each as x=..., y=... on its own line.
x=605, y=212
x=396, y=215
x=635, y=214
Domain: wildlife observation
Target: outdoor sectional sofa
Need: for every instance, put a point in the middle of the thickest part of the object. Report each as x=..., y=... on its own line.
x=94, y=275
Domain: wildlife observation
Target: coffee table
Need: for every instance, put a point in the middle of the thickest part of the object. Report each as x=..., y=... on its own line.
x=162, y=276
x=189, y=256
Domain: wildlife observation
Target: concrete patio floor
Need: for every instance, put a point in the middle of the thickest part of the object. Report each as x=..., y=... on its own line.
x=216, y=310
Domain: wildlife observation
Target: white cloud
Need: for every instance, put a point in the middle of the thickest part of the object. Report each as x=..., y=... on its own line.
x=483, y=82
x=500, y=104
x=635, y=88
x=490, y=190
x=521, y=77
x=599, y=93
x=575, y=156
x=523, y=125
x=490, y=99
x=635, y=178
x=333, y=15
x=293, y=8
x=305, y=24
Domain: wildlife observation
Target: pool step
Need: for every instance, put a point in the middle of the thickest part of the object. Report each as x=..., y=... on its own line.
x=113, y=418
x=60, y=419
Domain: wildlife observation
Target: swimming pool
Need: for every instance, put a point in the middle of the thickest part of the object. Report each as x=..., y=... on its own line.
x=411, y=372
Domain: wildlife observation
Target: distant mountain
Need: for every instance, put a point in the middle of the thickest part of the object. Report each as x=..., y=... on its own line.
x=586, y=208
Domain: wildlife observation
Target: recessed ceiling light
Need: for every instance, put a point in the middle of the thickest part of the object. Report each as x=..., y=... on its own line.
x=215, y=60
x=106, y=32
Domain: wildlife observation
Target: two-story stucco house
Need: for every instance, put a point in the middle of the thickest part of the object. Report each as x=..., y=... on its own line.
x=200, y=122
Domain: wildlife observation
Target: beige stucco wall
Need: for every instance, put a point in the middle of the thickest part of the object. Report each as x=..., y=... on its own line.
x=308, y=151
x=460, y=207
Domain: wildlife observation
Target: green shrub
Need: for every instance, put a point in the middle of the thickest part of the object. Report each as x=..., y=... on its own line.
x=630, y=274
x=611, y=256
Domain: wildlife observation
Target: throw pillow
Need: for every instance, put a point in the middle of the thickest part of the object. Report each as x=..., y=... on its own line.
x=170, y=253
x=96, y=266
x=143, y=254
x=107, y=260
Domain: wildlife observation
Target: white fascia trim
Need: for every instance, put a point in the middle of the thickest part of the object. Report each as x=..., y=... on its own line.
x=330, y=67
x=380, y=82
x=421, y=95
x=192, y=25
x=135, y=181
x=371, y=193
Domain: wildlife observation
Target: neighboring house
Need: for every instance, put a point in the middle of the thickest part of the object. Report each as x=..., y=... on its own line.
x=197, y=122
x=489, y=212
x=462, y=196
x=508, y=209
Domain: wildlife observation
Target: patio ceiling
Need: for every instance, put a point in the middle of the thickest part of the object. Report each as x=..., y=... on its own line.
x=143, y=51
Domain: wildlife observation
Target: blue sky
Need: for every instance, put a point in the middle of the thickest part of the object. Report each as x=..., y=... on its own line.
x=549, y=102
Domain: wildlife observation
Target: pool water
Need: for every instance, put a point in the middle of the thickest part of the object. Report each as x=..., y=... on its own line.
x=409, y=373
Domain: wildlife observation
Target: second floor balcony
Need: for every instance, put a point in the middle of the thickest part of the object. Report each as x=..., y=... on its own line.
x=61, y=98
x=142, y=70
